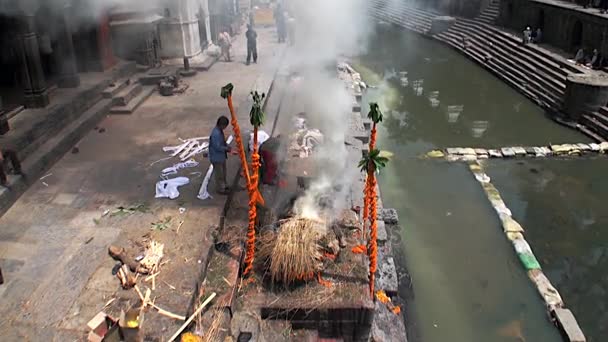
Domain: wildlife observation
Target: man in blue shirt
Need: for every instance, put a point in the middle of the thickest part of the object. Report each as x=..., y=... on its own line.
x=218, y=153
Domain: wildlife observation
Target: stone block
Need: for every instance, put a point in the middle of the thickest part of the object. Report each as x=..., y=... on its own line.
x=546, y=290
x=386, y=276
x=387, y=326
x=568, y=326
x=390, y=216
x=382, y=234
x=507, y=152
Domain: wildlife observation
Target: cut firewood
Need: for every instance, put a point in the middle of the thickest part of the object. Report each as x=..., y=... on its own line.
x=200, y=308
x=126, y=279
x=159, y=309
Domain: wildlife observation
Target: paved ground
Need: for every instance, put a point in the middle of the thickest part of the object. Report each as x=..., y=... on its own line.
x=53, y=241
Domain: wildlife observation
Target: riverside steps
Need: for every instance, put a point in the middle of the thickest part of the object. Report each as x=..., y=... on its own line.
x=537, y=72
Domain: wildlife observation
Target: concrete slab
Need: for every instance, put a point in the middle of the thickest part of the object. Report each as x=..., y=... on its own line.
x=568, y=325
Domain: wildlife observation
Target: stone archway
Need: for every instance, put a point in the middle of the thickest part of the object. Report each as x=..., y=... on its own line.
x=576, y=37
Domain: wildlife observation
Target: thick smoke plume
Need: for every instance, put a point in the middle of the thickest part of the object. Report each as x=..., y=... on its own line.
x=326, y=32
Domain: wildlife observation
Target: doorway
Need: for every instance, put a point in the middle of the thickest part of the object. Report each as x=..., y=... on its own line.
x=540, y=22
x=576, y=39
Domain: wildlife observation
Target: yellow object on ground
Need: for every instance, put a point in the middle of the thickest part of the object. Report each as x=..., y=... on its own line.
x=190, y=337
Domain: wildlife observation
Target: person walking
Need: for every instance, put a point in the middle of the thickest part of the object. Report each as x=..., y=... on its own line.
x=252, y=44
x=218, y=153
x=225, y=45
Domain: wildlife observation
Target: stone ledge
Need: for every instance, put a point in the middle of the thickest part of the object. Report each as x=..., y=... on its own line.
x=568, y=326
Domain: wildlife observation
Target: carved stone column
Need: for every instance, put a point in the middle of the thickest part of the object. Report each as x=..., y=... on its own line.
x=35, y=88
x=68, y=77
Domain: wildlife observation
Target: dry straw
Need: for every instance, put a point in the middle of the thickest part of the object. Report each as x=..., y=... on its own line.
x=294, y=253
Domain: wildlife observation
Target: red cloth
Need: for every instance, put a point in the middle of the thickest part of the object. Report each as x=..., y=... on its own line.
x=270, y=167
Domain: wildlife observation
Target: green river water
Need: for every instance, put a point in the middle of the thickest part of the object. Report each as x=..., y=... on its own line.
x=467, y=282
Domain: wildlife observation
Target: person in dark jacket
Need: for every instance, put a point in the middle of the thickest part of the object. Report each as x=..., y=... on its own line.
x=252, y=44
x=218, y=153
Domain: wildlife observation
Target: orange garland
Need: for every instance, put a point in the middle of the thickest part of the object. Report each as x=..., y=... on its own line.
x=372, y=146
x=373, y=242
x=254, y=195
x=254, y=198
x=237, y=137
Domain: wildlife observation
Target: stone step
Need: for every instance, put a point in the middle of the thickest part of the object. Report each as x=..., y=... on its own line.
x=129, y=108
x=514, y=77
x=547, y=65
x=536, y=54
x=51, y=151
x=601, y=117
x=115, y=87
x=515, y=81
x=561, y=64
x=591, y=133
x=406, y=14
x=595, y=125
x=408, y=21
x=531, y=71
x=604, y=111
x=128, y=93
x=402, y=9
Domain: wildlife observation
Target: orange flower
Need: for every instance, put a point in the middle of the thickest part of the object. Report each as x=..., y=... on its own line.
x=382, y=297
x=396, y=310
x=360, y=249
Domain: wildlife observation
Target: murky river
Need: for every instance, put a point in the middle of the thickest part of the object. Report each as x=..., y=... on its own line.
x=562, y=205
x=468, y=284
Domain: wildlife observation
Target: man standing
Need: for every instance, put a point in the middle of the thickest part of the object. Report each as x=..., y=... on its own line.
x=218, y=153
x=252, y=44
x=279, y=17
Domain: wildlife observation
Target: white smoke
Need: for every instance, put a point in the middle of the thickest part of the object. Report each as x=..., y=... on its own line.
x=325, y=32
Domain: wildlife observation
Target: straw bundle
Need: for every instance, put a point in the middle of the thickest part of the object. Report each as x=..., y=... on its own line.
x=295, y=252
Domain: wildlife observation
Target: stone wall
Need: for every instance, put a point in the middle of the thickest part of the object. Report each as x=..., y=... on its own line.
x=562, y=27
x=461, y=8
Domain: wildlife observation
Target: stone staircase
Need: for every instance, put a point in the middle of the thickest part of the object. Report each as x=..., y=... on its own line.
x=400, y=14
x=533, y=71
x=490, y=13
x=127, y=95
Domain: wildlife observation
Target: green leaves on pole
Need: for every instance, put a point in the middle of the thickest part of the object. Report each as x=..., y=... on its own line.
x=375, y=114
x=256, y=115
x=375, y=159
x=227, y=90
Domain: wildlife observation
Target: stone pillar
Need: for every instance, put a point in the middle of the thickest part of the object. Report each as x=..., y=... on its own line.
x=585, y=94
x=68, y=68
x=36, y=93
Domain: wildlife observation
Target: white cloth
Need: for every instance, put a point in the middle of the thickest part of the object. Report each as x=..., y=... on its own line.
x=262, y=137
x=168, y=188
x=203, y=193
x=173, y=169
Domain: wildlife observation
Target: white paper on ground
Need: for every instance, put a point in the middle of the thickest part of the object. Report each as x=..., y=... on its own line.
x=203, y=194
x=173, y=169
x=168, y=188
